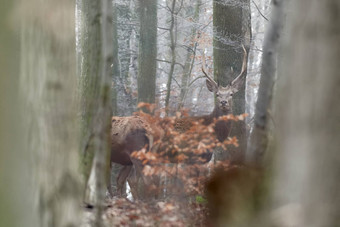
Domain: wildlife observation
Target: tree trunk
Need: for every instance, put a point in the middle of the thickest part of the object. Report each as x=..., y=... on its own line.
x=95, y=79
x=307, y=188
x=123, y=16
x=230, y=32
x=16, y=189
x=259, y=137
x=147, y=51
x=173, y=43
x=116, y=65
x=49, y=84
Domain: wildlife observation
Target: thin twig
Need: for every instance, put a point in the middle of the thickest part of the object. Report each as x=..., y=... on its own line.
x=260, y=11
x=176, y=63
x=173, y=78
x=193, y=81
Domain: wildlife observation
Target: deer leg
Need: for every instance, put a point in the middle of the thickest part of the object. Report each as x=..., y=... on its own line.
x=108, y=181
x=141, y=184
x=133, y=180
x=121, y=179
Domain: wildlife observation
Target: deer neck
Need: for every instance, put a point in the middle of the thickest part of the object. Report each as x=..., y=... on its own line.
x=218, y=112
x=222, y=128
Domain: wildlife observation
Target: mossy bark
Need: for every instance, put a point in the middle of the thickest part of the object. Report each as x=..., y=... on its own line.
x=147, y=64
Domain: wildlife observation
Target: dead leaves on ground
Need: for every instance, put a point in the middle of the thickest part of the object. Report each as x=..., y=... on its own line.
x=123, y=212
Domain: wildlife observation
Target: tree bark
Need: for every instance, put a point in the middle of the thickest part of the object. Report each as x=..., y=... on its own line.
x=173, y=43
x=116, y=65
x=124, y=16
x=16, y=191
x=259, y=137
x=48, y=85
x=95, y=79
x=147, y=51
x=229, y=33
x=307, y=189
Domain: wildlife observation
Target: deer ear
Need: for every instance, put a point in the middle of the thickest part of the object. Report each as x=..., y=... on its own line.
x=212, y=87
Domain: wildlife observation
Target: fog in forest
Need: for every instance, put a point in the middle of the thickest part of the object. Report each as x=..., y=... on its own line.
x=169, y=113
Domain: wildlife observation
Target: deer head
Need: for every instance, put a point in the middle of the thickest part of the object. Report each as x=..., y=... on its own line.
x=224, y=94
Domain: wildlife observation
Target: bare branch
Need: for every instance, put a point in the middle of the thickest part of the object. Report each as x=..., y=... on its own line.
x=194, y=80
x=180, y=8
x=259, y=11
x=176, y=63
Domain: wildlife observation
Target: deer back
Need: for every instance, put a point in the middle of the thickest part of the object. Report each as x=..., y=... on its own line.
x=129, y=134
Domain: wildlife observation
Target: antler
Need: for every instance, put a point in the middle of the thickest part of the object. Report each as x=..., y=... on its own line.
x=237, y=81
x=244, y=67
x=204, y=70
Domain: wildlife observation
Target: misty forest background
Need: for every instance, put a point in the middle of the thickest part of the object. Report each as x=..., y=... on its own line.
x=67, y=67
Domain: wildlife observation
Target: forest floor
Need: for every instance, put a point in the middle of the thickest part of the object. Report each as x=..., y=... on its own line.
x=123, y=212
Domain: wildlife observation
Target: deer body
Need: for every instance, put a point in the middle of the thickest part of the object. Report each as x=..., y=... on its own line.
x=128, y=134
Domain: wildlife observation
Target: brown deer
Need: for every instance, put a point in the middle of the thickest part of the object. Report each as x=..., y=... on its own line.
x=129, y=134
x=223, y=105
x=133, y=133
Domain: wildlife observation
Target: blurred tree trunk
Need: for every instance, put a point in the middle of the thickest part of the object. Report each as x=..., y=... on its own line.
x=232, y=29
x=49, y=84
x=16, y=188
x=147, y=51
x=260, y=134
x=115, y=80
x=95, y=80
x=307, y=188
x=90, y=65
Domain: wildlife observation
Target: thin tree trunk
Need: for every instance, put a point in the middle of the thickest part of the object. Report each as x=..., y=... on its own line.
x=189, y=62
x=173, y=41
x=90, y=37
x=147, y=51
x=97, y=49
x=259, y=137
x=115, y=61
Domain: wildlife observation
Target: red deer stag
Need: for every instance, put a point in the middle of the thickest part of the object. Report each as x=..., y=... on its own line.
x=223, y=105
x=224, y=96
x=133, y=133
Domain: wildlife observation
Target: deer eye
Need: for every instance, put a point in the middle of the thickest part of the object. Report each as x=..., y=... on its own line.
x=217, y=95
x=231, y=94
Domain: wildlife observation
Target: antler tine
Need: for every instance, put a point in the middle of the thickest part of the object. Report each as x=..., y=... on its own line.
x=204, y=70
x=244, y=66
